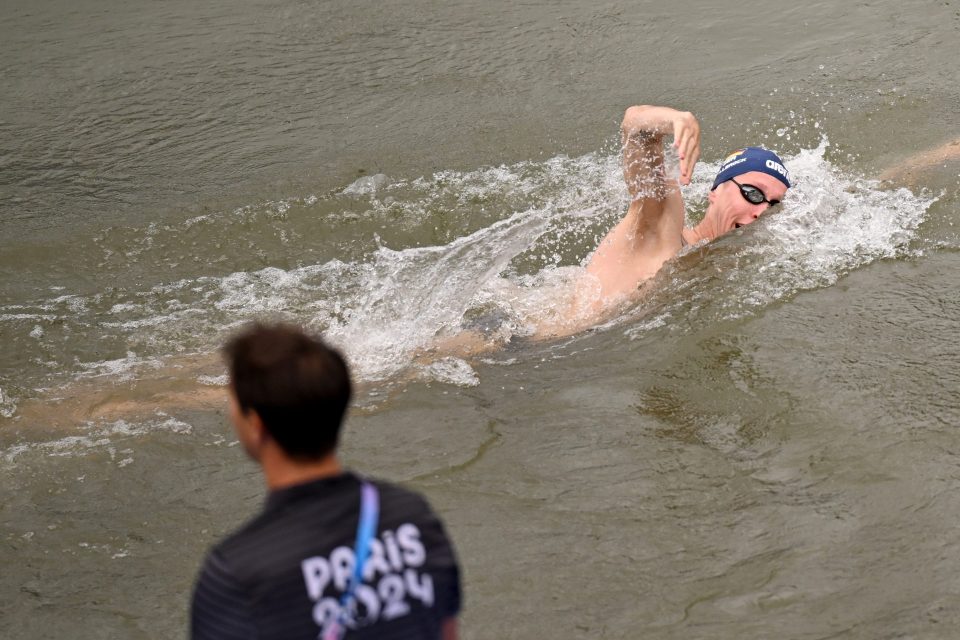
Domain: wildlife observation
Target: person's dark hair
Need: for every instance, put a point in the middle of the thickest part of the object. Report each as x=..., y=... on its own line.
x=298, y=386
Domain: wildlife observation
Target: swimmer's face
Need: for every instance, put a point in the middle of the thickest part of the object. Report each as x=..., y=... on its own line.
x=734, y=210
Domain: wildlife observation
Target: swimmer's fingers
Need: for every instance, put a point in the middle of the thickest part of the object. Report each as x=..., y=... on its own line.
x=681, y=141
x=686, y=140
x=692, y=157
x=688, y=150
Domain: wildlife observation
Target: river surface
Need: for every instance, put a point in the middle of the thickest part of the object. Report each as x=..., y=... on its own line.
x=767, y=445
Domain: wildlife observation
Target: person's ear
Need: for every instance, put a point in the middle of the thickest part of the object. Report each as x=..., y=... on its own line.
x=258, y=431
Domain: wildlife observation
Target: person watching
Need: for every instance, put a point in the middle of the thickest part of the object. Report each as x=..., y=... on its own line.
x=332, y=554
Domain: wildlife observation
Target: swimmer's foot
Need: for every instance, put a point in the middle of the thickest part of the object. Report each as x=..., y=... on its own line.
x=912, y=171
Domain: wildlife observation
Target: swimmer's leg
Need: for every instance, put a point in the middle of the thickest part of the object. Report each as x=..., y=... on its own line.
x=465, y=344
x=175, y=385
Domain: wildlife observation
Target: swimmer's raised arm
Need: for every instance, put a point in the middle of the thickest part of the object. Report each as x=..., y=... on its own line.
x=643, y=129
x=650, y=232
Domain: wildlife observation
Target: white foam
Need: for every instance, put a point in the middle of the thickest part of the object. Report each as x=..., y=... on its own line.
x=197, y=220
x=156, y=320
x=124, y=307
x=8, y=408
x=526, y=228
x=366, y=185
x=160, y=422
x=100, y=437
x=76, y=304
x=830, y=224
x=27, y=316
x=123, y=368
x=451, y=371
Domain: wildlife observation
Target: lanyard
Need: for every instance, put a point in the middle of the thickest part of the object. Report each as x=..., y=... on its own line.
x=366, y=528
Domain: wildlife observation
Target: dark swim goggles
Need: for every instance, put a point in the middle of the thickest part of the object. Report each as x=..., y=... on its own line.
x=752, y=194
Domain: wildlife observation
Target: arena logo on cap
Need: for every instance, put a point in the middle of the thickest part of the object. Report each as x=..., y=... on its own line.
x=779, y=168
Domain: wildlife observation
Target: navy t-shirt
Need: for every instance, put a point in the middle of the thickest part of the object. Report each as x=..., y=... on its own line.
x=282, y=573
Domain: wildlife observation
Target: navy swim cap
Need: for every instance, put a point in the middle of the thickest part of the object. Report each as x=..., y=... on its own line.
x=752, y=159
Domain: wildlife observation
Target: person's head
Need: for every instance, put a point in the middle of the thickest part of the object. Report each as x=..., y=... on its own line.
x=749, y=182
x=296, y=385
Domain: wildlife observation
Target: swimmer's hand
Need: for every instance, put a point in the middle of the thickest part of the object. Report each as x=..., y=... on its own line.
x=643, y=124
x=686, y=140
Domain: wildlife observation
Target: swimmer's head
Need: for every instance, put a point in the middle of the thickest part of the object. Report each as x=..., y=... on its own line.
x=749, y=183
x=752, y=159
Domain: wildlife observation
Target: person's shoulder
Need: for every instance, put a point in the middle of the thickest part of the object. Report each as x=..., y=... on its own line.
x=402, y=504
x=225, y=550
x=396, y=494
x=292, y=519
x=408, y=514
x=258, y=530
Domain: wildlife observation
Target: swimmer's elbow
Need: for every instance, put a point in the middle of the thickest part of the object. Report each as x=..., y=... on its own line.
x=633, y=118
x=636, y=109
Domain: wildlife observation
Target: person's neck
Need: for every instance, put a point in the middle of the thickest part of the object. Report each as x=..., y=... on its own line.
x=280, y=471
x=705, y=230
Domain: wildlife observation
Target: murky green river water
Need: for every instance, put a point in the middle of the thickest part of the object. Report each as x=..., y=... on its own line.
x=766, y=446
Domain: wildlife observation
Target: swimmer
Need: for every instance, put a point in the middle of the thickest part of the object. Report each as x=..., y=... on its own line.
x=750, y=182
x=651, y=233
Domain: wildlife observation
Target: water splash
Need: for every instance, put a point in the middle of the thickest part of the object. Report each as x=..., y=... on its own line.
x=830, y=224
x=418, y=258
x=97, y=437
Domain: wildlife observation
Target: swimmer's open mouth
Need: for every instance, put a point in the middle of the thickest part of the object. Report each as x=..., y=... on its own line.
x=737, y=225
